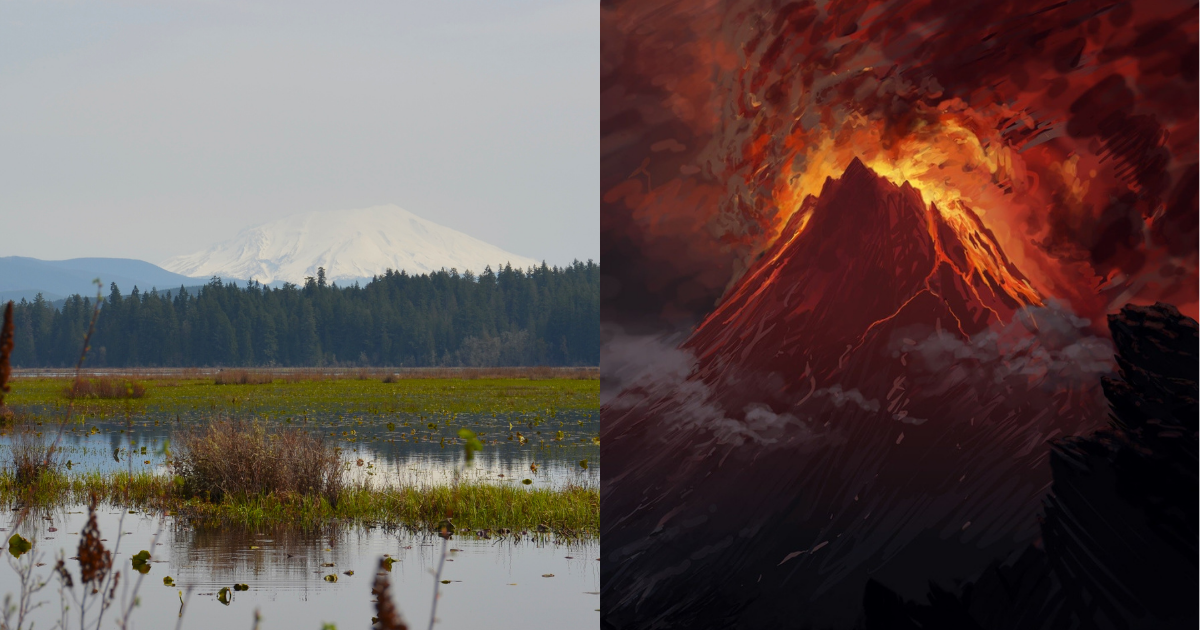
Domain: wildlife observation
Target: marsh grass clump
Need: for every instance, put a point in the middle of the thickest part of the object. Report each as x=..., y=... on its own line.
x=240, y=458
x=106, y=388
x=31, y=455
x=243, y=377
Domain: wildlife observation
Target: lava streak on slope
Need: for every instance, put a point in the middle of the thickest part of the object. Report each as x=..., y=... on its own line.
x=1069, y=128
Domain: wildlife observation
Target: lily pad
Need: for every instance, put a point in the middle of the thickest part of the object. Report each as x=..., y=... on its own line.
x=331, y=578
x=17, y=545
x=241, y=587
x=168, y=581
x=141, y=562
x=527, y=481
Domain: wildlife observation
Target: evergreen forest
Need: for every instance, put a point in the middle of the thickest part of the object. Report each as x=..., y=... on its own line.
x=511, y=317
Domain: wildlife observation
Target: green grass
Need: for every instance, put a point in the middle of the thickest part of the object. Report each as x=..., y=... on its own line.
x=475, y=506
x=433, y=397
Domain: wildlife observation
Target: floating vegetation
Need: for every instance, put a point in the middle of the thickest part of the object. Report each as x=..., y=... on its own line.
x=18, y=545
x=141, y=562
x=433, y=398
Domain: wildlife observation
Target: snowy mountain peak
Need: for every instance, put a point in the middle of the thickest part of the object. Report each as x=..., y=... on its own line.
x=349, y=244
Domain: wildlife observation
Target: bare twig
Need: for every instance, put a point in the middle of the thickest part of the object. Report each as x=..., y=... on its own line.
x=30, y=586
x=6, y=346
x=437, y=579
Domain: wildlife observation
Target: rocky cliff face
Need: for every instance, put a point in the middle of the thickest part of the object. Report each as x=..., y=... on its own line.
x=1118, y=546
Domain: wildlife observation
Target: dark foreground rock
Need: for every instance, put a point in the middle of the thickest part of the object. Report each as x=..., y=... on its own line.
x=1119, y=535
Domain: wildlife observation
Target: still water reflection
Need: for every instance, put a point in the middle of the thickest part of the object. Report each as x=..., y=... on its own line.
x=497, y=583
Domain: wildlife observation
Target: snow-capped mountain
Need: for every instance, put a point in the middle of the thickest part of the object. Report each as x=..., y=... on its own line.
x=349, y=244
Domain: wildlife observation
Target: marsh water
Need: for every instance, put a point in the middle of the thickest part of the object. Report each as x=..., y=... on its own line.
x=415, y=450
x=492, y=583
x=522, y=582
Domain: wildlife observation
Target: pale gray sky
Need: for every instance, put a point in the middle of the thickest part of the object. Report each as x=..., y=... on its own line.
x=150, y=129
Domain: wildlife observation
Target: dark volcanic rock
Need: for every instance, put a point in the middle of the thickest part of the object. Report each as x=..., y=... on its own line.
x=1120, y=525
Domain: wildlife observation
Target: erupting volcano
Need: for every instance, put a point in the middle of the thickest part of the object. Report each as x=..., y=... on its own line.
x=876, y=389
x=888, y=313
x=852, y=266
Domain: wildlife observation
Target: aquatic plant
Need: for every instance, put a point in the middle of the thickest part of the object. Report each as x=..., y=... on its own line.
x=240, y=458
x=31, y=455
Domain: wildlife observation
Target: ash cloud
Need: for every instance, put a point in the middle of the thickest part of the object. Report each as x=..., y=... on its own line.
x=654, y=363
x=1048, y=346
x=653, y=370
x=840, y=397
x=1048, y=354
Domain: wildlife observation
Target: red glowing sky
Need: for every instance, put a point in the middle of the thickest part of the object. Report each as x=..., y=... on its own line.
x=1069, y=127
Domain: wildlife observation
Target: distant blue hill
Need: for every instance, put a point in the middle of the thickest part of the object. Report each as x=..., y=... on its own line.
x=22, y=277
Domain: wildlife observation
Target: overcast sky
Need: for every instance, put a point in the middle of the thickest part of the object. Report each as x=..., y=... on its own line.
x=151, y=129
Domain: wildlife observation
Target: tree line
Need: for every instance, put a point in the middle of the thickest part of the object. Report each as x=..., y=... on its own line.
x=539, y=316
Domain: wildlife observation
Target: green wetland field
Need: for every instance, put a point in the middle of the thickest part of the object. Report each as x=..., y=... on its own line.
x=298, y=482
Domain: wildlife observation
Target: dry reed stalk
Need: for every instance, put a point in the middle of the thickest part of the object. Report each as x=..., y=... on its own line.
x=6, y=347
x=105, y=387
x=243, y=377
x=236, y=457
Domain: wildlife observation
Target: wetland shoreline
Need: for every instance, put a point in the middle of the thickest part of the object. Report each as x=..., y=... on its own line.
x=476, y=508
x=542, y=420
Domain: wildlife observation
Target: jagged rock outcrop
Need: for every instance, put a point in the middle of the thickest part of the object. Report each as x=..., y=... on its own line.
x=1119, y=544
